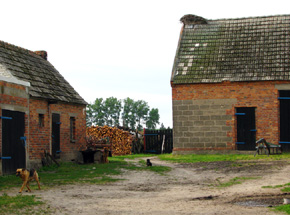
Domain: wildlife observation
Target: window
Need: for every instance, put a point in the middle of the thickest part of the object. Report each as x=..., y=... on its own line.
x=72, y=129
x=41, y=120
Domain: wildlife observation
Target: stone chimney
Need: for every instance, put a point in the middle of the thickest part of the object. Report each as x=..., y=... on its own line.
x=192, y=20
x=42, y=54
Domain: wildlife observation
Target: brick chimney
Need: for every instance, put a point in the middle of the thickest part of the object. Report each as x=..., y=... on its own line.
x=42, y=54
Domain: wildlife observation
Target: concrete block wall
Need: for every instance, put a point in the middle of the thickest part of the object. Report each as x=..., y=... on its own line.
x=204, y=114
x=202, y=124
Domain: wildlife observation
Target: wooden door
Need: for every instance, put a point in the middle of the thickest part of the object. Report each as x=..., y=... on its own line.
x=13, y=141
x=55, y=134
x=246, y=128
x=284, y=99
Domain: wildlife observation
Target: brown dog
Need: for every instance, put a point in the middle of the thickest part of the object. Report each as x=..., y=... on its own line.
x=27, y=176
x=105, y=156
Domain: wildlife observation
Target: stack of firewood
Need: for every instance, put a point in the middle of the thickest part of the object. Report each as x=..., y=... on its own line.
x=119, y=141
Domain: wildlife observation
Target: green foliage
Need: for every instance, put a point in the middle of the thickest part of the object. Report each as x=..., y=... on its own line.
x=153, y=119
x=112, y=111
x=141, y=113
x=134, y=114
x=128, y=114
x=104, y=112
x=95, y=113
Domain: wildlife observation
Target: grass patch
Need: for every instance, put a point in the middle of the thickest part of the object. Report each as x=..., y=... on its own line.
x=193, y=158
x=157, y=169
x=285, y=187
x=67, y=173
x=20, y=205
x=234, y=181
x=283, y=208
x=70, y=173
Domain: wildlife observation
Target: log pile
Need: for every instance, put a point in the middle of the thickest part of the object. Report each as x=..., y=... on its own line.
x=119, y=141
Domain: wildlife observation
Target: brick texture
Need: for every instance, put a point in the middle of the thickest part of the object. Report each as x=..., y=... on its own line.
x=204, y=114
x=40, y=137
x=15, y=97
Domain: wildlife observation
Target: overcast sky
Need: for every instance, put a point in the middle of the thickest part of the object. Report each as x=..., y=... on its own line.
x=119, y=48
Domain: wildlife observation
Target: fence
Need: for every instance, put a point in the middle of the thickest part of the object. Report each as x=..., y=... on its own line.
x=158, y=141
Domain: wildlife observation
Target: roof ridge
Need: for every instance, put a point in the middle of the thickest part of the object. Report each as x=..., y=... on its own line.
x=250, y=17
x=14, y=47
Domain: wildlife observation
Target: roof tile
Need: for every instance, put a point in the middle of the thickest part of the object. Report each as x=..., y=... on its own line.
x=46, y=82
x=245, y=49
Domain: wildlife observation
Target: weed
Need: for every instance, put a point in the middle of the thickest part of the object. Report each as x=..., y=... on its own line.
x=233, y=181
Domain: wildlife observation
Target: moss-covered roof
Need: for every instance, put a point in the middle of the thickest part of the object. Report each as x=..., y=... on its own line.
x=245, y=49
x=45, y=81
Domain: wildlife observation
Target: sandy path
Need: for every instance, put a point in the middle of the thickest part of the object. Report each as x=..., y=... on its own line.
x=184, y=190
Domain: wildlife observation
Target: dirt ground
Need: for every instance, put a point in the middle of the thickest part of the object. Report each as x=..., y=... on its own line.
x=186, y=189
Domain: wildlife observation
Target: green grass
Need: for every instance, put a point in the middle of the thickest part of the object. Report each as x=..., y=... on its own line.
x=21, y=205
x=285, y=187
x=157, y=169
x=70, y=173
x=283, y=208
x=234, y=181
x=193, y=158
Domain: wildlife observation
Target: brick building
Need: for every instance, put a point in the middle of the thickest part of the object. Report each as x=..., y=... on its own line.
x=39, y=110
x=231, y=83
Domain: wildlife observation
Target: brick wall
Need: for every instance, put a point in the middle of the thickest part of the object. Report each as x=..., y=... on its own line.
x=203, y=114
x=15, y=97
x=40, y=137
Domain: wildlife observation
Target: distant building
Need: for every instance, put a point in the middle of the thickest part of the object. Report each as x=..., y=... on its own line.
x=231, y=83
x=39, y=110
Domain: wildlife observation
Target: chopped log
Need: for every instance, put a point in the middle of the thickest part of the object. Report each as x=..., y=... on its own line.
x=118, y=141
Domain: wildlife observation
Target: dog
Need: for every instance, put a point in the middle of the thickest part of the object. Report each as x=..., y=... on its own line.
x=105, y=156
x=149, y=162
x=27, y=176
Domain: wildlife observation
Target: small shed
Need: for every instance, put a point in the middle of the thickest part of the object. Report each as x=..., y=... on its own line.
x=39, y=110
x=231, y=83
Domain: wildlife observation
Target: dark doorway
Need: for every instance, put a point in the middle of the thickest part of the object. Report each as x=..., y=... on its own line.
x=55, y=134
x=246, y=128
x=13, y=141
x=284, y=98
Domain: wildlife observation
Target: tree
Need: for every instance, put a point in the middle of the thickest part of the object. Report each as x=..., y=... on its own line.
x=112, y=109
x=128, y=116
x=95, y=113
x=153, y=119
x=134, y=114
x=141, y=113
x=162, y=127
x=104, y=112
